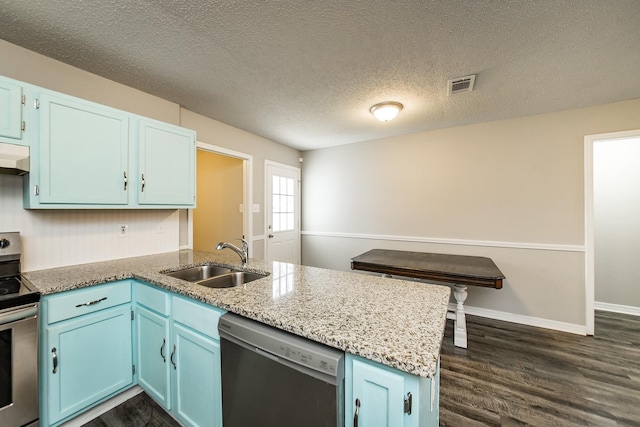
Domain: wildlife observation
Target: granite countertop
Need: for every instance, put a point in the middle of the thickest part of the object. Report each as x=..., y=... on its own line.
x=394, y=322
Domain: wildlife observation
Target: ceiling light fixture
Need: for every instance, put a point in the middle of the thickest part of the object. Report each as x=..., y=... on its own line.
x=386, y=111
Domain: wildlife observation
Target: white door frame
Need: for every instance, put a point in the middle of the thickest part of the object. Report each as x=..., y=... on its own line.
x=589, y=225
x=247, y=186
x=266, y=203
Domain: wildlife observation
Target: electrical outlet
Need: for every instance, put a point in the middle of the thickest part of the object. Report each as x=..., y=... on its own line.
x=256, y=208
x=124, y=231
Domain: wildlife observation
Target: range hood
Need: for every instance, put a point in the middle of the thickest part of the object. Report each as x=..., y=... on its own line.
x=14, y=159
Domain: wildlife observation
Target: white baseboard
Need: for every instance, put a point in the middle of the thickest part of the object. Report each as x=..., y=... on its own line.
x=104, y=407
x=617, y=308
x=523, y=320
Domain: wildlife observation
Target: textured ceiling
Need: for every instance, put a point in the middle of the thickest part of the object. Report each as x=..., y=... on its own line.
x=304, y=73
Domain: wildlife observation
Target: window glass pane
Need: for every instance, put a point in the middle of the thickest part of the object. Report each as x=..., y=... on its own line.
x=276, y=185
x=290, y=204
x=283, y=203
x=290, y=187
x=276, y=204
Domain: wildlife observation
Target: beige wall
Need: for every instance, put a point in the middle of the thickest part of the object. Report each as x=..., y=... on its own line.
x=616, y=188
x=217, y=217
x=510, y=189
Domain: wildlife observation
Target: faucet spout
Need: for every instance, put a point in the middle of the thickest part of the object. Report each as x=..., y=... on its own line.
x=242, y=253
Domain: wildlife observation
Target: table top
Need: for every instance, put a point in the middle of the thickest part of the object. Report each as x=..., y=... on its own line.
x=457, y=269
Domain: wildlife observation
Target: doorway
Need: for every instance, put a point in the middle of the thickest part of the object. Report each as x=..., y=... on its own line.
x=223, y=191
x=282, y=211
x=612, y=227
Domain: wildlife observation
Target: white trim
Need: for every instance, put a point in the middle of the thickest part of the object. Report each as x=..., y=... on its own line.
x=257, y=238
x=436, y=240
x=104, y=407
x=523, y=320
x=247, y=168
x=589, y=226
x=617, y=308
x=267, y=196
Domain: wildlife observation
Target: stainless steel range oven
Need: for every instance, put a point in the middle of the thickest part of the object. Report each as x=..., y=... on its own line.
x=18, y=339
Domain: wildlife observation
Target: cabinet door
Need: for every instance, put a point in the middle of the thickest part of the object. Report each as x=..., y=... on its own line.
x=10, y=111
x=198, y=386
x=89, y=359
x=379, y=392
x=154, y=350
x=166, y=165
x=83, y=152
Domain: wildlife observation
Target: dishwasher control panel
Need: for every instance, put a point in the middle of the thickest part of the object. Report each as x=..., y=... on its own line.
x=277, y=344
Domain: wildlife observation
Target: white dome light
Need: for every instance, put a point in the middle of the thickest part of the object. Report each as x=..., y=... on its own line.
x=386, y=111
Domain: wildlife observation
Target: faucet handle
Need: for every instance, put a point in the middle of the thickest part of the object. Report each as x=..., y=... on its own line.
x=245, y=245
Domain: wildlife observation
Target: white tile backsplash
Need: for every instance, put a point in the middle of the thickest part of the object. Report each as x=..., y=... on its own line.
x=56, y=238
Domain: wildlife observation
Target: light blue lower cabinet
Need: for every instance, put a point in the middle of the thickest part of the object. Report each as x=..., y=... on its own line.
x=198, y=383
x=85, y=350
x=153, y=353
x=380, y=396
x=178, y=355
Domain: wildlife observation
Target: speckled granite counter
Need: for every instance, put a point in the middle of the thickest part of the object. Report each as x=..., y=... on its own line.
x=395, y=322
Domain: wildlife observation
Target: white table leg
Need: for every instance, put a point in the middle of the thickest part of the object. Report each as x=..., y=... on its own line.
x=460, y=322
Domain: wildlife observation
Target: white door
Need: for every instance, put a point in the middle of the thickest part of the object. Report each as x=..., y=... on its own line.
x=282, y=201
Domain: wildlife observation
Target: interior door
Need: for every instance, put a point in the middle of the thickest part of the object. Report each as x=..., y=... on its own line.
x=283, y=213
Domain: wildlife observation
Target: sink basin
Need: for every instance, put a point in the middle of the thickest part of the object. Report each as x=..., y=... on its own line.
x=196, y=274
x=232, y=279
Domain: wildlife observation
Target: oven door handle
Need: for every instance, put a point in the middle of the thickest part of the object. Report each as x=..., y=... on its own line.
x=20, y=314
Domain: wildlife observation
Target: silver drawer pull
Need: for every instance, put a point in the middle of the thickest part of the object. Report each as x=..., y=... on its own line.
x=91, y=302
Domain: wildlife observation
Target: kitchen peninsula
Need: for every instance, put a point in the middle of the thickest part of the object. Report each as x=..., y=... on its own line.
x=394, y=323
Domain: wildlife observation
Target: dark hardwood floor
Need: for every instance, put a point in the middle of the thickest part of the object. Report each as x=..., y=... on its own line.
x=511, y=376
x=514, y=375
x=139, y=411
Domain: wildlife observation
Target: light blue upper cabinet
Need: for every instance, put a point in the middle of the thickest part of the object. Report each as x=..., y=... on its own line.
x=89, y=156
x=10, y=111
x=166, y=164
x=83, y=152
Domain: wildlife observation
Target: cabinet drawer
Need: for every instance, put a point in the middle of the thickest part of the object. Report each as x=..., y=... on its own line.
x=201, y=317
x=152, y=298
x=88, y=300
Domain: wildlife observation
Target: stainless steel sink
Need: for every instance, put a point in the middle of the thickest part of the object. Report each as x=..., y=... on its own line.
x=235, y=278
x=196, y=274
x=215, y=276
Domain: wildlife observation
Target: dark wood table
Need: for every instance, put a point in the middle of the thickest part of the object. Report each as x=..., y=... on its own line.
x=460, y=270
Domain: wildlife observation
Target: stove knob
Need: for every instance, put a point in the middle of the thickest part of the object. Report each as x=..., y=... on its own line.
x=4, y=243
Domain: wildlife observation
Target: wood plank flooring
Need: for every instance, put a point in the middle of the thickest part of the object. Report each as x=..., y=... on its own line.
x=515, y=375
x=510, y=376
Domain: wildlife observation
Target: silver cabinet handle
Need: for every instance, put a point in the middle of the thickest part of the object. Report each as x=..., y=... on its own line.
x=173, y=353
x=125, y=180
x=91, y=302
x=54, y=355
x=142, y=189
x=164, y=342
x=355, y=418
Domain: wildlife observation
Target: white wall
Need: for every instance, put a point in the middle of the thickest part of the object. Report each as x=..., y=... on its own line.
x=616, y=169
x=511, y=190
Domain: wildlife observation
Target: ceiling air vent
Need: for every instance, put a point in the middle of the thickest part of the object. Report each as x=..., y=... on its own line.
x=461, y=84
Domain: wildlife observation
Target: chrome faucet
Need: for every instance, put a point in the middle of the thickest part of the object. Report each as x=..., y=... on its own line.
x=242, y=253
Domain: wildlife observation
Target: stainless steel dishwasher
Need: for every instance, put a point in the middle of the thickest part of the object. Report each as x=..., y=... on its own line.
x=274, y=378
